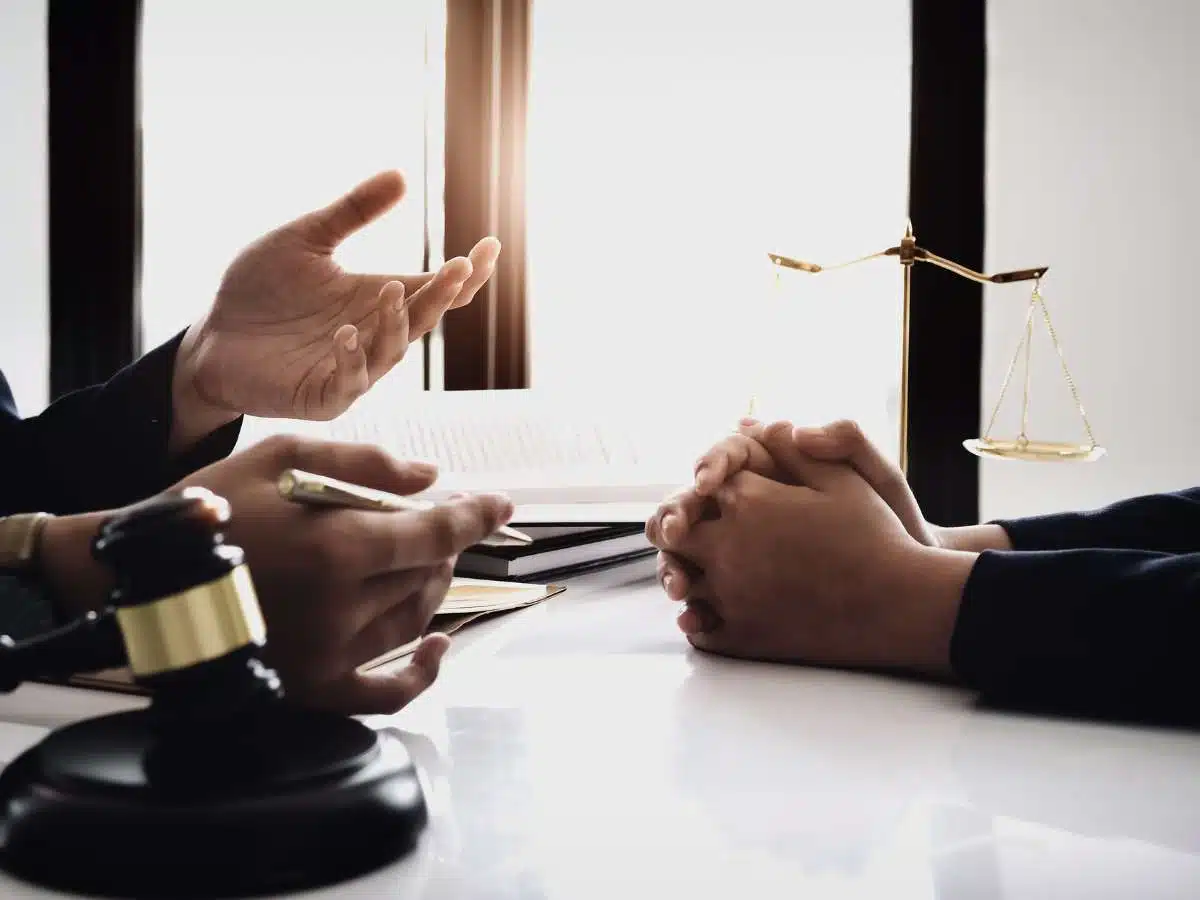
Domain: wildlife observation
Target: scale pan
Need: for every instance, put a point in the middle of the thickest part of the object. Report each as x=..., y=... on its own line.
x=1033, y=451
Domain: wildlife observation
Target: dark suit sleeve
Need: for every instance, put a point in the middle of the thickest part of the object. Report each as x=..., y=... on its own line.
x=1167, y=523
x=103, y=446
x=1097, y=632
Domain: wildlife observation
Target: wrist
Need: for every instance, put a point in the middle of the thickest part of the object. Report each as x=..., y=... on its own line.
x=192, y=416
x=77, y=581
x=972, y=538
x=926, y=599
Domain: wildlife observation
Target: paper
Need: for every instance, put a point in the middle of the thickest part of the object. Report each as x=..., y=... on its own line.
x=470, y=599
x=582, y=513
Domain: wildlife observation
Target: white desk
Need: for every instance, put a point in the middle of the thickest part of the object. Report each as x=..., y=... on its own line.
x=581, y=750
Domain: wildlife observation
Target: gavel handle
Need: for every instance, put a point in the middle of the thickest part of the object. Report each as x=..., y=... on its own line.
x=91, y=643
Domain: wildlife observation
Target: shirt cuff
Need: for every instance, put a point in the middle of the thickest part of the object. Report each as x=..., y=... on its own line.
x=1047, y=532
x=26, y=610
x=152, y=378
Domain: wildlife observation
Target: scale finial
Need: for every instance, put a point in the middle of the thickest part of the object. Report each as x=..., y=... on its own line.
x=908, y=229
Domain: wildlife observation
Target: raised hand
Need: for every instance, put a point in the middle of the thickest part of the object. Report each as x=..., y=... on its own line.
x=292, y=334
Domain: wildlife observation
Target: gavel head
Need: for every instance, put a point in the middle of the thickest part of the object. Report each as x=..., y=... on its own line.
x=186, y=607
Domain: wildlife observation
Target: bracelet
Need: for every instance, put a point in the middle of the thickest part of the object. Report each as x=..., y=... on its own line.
x=26, y=607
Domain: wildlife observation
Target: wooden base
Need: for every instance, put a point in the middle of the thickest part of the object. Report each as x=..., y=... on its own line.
x=291, y=800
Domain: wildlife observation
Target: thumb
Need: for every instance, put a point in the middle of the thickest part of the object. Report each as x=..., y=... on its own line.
x=799, y=467
x=844, y=441
x=363, y=204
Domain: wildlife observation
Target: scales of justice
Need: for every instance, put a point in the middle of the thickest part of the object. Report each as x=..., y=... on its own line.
x=1021, y=447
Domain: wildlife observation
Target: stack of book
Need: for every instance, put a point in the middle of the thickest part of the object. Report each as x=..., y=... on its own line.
x=558, y=551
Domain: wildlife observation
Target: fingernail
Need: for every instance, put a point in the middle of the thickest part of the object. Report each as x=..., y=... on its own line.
x=352, y=342
x=399, y=304
x=748, y=422
x=701, y=471
x=423, y=468
x=668, y=579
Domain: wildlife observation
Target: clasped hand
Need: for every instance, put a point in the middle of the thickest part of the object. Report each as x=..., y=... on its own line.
x=806, y=545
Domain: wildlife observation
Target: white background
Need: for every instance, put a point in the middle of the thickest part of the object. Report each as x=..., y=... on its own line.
x=24, y=288
x=669, y=154
x=255, y=113
x=1093, y=143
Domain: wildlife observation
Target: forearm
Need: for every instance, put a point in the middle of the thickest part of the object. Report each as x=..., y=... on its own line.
x=974, y=538
x=927, y=590
x=1163, y=523
x=73, y=577
x=68, y=583
x=1104, y=632
x=192, y=418
x=105, y=446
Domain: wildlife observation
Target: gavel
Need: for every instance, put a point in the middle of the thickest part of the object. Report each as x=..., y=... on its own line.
x=221, y=786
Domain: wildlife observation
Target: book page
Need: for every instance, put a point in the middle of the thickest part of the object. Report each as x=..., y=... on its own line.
x=540, y=448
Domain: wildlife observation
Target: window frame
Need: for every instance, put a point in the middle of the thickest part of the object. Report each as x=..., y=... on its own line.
x=94, y=173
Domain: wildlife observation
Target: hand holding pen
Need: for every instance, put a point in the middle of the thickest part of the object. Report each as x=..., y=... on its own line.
x=321, y=490
x=341, y=585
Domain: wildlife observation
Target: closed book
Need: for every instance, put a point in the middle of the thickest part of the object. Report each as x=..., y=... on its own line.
x=555, y=550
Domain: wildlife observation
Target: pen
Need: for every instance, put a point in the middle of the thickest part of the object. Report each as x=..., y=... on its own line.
x=320, y=490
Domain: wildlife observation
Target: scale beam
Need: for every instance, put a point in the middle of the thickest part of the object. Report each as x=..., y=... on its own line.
x=908, y=253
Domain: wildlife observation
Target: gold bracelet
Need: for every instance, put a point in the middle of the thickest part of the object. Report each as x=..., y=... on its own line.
x=20, y=540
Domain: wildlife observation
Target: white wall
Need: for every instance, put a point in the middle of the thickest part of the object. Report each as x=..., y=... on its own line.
x=1094, y=169
x=676, y=155
x=24, y=290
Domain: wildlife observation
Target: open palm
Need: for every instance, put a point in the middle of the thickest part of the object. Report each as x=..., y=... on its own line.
x=294, y=335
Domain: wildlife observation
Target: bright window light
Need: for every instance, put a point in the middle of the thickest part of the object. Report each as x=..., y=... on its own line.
x=254, y=113
x=670, y=149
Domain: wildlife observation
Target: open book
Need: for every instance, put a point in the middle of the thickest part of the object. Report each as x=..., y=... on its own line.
x=468, y=600
x=561, y=461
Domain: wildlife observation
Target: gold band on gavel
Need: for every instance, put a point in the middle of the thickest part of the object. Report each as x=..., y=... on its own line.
x=195, y=626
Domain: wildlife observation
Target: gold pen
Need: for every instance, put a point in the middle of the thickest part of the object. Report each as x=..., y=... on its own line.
x=321, y=490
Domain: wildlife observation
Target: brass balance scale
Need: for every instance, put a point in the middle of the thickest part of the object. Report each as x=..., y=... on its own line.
x=1022, y=447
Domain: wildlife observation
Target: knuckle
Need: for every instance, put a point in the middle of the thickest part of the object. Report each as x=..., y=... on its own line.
x=733, y=498
x=738, y=446
x=777, y=431
x=444, y=532
x=376, y=455
x=742, y=490
x=333, y=549
x=685, y=506
x=284, y=448
x=429, y=602
x=652, y=528
x=849, y=431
